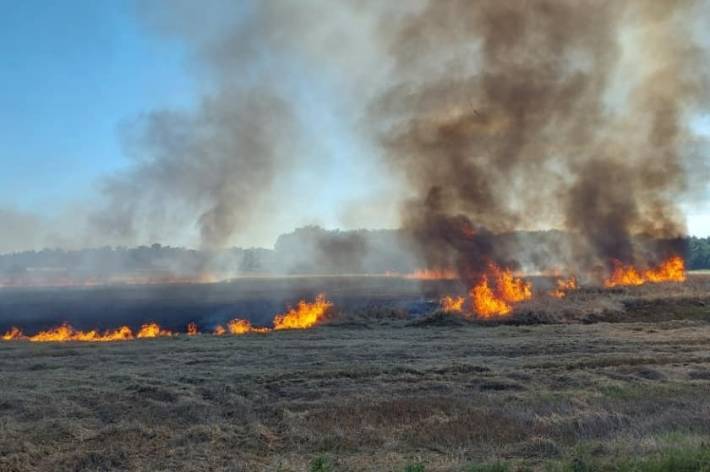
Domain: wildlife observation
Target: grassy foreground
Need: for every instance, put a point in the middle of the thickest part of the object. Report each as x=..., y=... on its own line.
x=603, y=396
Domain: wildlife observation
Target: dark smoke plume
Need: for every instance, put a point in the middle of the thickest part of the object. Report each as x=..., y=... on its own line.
x=542, y=113
x=500, y=115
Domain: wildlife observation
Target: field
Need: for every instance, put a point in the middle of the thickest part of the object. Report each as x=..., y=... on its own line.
x=616, y=379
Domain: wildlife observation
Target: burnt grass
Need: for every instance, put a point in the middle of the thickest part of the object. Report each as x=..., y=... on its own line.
x=602, y=377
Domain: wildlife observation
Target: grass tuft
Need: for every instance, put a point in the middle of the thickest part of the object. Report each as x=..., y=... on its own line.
x=494, y=467
x=321, y=463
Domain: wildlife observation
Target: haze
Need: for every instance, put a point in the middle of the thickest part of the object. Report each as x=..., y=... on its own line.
x=231, y=123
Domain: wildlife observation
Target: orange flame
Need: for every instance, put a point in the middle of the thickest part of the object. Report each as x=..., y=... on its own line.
x=123, y=333
x=671, y=270
x=564, y=286
x=238, y=326
x=65, y=332
x=152, y=330
x=219, y=330
x=12, y=334
x=192, y=329
x=452, y=304
x=432, y=274
x=490, y=303
x=512, y=289
x=486, y=303
x=304, y=315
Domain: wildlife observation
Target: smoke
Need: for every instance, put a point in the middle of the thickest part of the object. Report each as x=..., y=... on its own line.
x=212, y=167
x=243, y=158
x=537, y=114
x=24, y=228
x=499, y=116
x=203, y=170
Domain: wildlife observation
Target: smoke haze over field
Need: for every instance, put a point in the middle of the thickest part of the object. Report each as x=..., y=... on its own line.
x=567, y=114
x=457, y=120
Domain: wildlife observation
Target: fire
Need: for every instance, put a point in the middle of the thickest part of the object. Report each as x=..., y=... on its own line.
x=65, y=332
x=304, y=315
x=13, y=333
x=489, y=302
x=432, y=274
x=564, y=286
x=238, y=326
x=452, y=304
x=486, y=303
x=123, y=333
x=192, y=329
x=152, y=330
x=219, y=330
x=671, y=270
x=512, y=289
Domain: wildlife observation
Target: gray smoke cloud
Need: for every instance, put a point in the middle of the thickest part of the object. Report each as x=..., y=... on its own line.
x=543, y=113
x=227, y=166
x=204, y=170
x=498, y=116
x=212, y=167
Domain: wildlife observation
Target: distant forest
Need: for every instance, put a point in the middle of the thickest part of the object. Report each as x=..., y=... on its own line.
x=699, y=253
x=308, y=250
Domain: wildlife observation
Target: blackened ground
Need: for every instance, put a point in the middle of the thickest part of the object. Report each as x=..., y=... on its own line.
x=174, y=305
x=357, y=300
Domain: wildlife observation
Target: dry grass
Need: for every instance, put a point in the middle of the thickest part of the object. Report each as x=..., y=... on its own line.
x=445, y=397
x=377, y=393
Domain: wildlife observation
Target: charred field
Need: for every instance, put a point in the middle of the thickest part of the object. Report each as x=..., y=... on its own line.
x=602, y=379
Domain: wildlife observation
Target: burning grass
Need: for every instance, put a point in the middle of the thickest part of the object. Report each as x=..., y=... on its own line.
x=495, y=294
x=452, y=304
x=501, y=295
x=305, y=315
x=563, y=286
x=238, y=327
x=671, y=270
x=66, y=332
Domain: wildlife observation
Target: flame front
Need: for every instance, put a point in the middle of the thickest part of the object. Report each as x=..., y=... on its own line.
x=238, y=326
x=65, y=333
x=511, y=289
x=12, y=334
x=452, y=304
x=486, y=302
x=152, y=330
x=123, y=333
x=671, y=270
x=219, y=330
x=498, y=301
x=564, y=286
x=304, y=315
x=192, y=329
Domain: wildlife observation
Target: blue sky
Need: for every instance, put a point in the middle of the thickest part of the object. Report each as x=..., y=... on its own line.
x=72, y=71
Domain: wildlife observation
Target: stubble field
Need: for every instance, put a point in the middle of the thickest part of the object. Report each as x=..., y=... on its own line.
x=617, y=388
